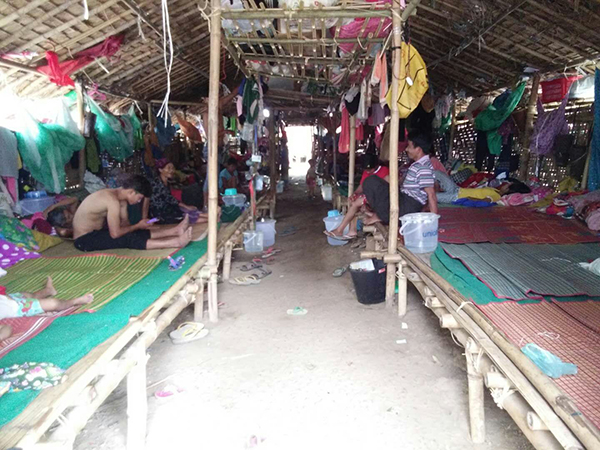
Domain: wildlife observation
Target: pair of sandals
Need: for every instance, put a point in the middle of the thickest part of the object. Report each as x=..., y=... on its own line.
x=252, y=279
x=344, y=237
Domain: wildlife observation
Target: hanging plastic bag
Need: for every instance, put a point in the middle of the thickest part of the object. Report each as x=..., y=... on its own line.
x=115, y=136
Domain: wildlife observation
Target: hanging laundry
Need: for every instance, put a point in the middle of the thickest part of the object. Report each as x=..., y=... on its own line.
x=413, y=81
x=548, y=126
x=189, y=130
x=59, y=72
x=91, y=155
x=352, y=100
x=493, y=117
x=594, y=171
x=359, y=134
x=363, y=110
x=344, y=143
x=379, y=76
x=251, y=100
x=377, y=115
x=9, y=156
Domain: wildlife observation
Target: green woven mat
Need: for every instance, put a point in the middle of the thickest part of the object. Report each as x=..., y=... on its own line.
x=70, y=338
x=104, y=276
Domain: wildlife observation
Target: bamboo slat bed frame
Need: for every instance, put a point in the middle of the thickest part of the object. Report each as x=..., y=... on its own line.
x=91, y=380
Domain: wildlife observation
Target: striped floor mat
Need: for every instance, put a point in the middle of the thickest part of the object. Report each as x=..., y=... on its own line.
x=104, y=276
x=525, y=271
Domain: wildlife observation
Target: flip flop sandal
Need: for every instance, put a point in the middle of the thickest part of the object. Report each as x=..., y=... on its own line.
x=257, y=260
x=188, y=332
x=297, y=311
x=271, y=252
x=358, y=244
x=245, y=281
x=263, y=273
x=346, y=237
x=289, y=231
x=339, y=271
x=249, y=267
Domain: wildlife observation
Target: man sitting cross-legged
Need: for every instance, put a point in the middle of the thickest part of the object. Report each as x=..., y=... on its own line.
x=102, y=223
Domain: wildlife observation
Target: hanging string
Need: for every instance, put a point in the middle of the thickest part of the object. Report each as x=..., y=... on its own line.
x=86, y=11
x=167, y=39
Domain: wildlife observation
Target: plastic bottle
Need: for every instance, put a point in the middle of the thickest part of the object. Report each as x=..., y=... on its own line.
x=548, y=362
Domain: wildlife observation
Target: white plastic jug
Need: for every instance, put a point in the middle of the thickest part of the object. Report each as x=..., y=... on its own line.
x=267, y=226
x=280, y=186
x=327, y=192
x=420, y=231
x=331, y=223
x=253, y=241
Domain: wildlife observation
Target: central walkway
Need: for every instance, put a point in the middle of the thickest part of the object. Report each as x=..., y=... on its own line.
x=333, y=379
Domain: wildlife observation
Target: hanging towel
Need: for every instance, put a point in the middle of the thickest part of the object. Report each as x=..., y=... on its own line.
x=379, y=76
x=413, y=81
x=9, y=156
x=344, y=144
x=548, y=126
x=363, y=109
x=594, y=173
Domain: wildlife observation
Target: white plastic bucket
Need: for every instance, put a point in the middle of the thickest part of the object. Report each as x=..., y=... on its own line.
x=327, y=192
x=267, y=226
x=420, y=231
x=253, y=241
x=331, y=223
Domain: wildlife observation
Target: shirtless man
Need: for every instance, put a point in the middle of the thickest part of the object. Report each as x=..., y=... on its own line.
x=101, y=222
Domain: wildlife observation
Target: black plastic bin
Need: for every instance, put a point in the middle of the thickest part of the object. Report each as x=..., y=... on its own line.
x=370, y=286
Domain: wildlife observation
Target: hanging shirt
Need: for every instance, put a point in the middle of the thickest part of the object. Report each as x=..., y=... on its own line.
x=419, y=177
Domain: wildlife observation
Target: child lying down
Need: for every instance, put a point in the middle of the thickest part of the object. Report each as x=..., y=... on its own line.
x=26, y=304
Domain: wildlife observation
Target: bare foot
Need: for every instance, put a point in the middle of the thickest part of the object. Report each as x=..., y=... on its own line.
x=49, y=290
x=183, y=225
x=185, y=238
x=5, y=332
x=84, y=300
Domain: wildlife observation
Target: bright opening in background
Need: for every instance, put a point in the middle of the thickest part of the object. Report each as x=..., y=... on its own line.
x=300, y=149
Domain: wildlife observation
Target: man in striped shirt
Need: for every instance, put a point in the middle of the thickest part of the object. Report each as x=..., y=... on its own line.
x=417, y=189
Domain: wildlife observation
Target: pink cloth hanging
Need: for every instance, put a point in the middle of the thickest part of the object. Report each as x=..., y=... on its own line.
x=344, y=144
x=379, y=76
x=11, y=187
x=360, y=134
x=59, y=72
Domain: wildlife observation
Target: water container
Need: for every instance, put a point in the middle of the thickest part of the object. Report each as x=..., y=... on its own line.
x=280, y=186
x=331, y=223
x=333, y=213
x=33, y=205
x=238, y=200
x=267, y=226
x=231, y=191
x=327, y=192
x=420, y=231
x=259, y=183
x=368, y=277
x=253, y=241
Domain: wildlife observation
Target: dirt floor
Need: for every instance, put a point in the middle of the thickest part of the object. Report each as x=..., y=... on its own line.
x=335, y=378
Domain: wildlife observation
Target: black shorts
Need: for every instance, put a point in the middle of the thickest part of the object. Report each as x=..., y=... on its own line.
x=377, y=192
x=101, y=240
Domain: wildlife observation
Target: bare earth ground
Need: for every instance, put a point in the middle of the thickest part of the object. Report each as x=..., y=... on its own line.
x=332, y=379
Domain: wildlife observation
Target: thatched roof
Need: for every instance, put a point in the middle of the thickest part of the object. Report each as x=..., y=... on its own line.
x=475, y=45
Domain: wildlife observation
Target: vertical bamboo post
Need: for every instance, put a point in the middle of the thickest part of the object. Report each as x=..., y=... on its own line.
x=273, y=161
x=213, y=148
x=452, y=127
x=199, y=302
x=402, y=289
x=390, y=285
x=588, y=158
x=531, y=107
x=137, y=403
x=80, y=90
x=335, y=144
x=227, y=260
x=352, y=156
x=476, y=405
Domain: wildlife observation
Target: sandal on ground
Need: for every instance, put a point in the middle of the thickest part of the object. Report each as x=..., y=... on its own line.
x=249, y=267
x=262, y=273
x=245, y=281
x=188, y=332
x=346, y=237
x=339, y=271
x=297, y=311
x=271, y=252
x=289, y=231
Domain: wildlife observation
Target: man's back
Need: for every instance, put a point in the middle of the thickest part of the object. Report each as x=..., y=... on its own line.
x=92, y=213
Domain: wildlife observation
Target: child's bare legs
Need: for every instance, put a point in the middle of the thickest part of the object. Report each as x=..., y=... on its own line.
x=5, y=332
x=47, y=291
x=53, y=304
x=356, y=205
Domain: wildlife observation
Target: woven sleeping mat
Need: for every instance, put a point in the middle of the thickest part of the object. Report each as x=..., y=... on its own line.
x=524, y=271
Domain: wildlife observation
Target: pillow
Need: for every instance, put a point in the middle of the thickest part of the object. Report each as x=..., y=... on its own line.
x=12, y=230
x=45, y=241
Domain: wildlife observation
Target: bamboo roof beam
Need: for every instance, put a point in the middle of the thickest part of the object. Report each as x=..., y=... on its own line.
x=20, y=12
x=297, y=14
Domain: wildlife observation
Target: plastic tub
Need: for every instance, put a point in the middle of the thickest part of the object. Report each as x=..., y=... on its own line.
x=368, y=277
x=267, y=226
x=420, y=231
x=253, y=241
x=331, y=223
x=327, y=192
x=280, y=186
x=235, y=200
x=32, y=205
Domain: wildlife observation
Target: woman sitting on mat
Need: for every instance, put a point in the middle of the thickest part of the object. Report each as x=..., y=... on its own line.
x=358, y=199
x=163, y=205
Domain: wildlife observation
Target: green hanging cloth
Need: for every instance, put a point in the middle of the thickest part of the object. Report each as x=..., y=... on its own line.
x=492, y=117
x=251, y=100
x=446, y=122
x=45, y=149
x=91, y=155
x=138, y=134
x=114, y=134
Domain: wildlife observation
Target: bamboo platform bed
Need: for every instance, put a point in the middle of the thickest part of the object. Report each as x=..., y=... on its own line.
x=546, y=415
x=57, y=415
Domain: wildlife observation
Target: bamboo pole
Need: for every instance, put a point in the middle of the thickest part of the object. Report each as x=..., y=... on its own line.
x=312, y=13
x=335, y=151
x=352, y=156
x=137, y=403
x=273, y=163
x=80, y=91
x=390, y=284
x=531, y=107
x=476, y=405
x=452, y=127
x=213, y=163
x=322, y=41
x=227, y=260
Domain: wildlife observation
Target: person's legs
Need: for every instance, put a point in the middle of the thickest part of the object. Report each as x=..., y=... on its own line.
x=377, y=192
x=172, y=242
x=5, y=332
x=173, y=231
x=47, y=291
x=354, y=207
x=448, y=186
x=54, y=304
